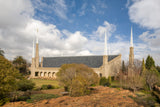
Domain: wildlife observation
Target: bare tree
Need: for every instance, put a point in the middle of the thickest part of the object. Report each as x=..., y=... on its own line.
x=152, y=77
x=135, y=81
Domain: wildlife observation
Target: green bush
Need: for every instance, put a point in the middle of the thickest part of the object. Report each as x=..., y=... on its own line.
x=25, y=85
x=105, y=82
x=8, y=79
x=76, y=78
x=45, y=87
x=109, y=80
x=20, y=96
x=38, y=97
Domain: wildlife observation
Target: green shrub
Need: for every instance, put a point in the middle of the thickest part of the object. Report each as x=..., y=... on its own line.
x=105, y=82
x=109, y=80
x=25, y=85
x=76, y=78
x=38, y=97
x=20, y=96
x=45, y=87
x=8, y=79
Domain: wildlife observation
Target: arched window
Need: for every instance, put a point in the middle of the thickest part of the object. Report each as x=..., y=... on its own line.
x=100, y=74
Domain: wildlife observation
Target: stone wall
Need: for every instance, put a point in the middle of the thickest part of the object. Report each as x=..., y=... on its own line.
x=107, y=69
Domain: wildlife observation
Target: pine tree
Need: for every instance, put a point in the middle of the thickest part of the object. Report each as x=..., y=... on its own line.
x=143, y=67
x=21, y=64
x=149, y=62
x=1, y=52
x=8, y=78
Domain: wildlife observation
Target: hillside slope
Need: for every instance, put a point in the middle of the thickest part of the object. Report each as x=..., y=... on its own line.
x=102, y=97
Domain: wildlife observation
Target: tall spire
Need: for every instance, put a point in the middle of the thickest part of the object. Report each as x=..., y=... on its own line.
x=131, y=54
x=131, y=42
x=33, y=51
x=105, y=44
x=37, y=36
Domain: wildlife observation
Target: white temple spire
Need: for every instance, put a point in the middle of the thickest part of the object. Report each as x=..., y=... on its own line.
x=131, y=42
x=33, y=51
x=37, y=36
x=105, y=44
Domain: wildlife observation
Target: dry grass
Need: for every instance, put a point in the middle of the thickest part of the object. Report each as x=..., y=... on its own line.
x=40, y=82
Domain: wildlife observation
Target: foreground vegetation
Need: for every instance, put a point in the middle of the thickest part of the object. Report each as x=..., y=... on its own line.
x=11, y=81
x=38, y=97
x=77, y=80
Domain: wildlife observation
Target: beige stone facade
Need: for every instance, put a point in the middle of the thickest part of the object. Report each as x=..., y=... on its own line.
x=108, y=68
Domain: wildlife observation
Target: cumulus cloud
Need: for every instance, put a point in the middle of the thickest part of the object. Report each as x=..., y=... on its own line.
x=52, y=41
x=18, y=30
x=106, y=27
x=15, y=15
x=19, y=41
x=17, y=34
x=145, y=13
x=152, y=39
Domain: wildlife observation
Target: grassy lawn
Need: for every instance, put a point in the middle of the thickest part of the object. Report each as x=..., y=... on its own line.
x=38, y=97
x=115, y=84
x=40, y=82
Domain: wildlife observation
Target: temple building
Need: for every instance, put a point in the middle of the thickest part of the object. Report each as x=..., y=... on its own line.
x=104, y=65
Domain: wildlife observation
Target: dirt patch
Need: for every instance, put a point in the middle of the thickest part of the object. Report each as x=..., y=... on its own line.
x=102, y=97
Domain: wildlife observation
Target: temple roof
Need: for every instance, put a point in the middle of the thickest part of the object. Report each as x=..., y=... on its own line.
x=91, y=61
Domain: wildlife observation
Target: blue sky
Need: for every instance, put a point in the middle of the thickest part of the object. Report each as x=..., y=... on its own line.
x=76, y=27
x=87, y=15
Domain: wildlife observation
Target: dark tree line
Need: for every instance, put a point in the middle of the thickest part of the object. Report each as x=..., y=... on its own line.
x=144, y=76
x=1, y=52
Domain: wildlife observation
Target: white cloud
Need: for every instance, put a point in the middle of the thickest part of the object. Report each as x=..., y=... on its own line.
x=57, y=7
x=60, y=8
x=152, y=39
x=107, y=27
x=83, y=9
x=16, y=36
x=17, y=30
x=15, y=13
x=50, y=42
x=145, y=13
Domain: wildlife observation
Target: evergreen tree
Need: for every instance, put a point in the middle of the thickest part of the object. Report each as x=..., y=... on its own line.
x=8, y=79
x=21, y=64
x=149, y=62
x=158, y=68
x=1, y=52
x=143, y=67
